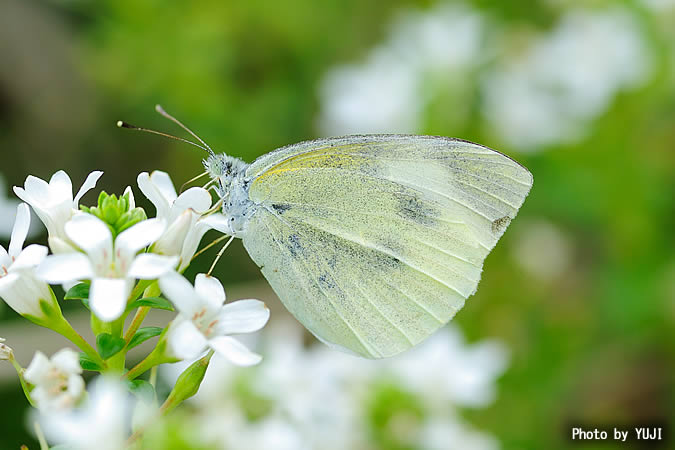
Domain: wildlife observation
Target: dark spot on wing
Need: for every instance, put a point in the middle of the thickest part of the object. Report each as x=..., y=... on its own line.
x=294, y=245
x=499, y=225
x=325, y=281
x=412, y=208
x=332, y=261
x=391, y=261
x=280, y=207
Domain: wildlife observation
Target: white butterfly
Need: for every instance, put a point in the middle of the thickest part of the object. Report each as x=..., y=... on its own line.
x=372, y=242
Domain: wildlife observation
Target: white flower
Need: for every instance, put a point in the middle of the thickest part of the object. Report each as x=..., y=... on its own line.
x=543, y=250
x=8, y=214
x=203, y=321
x=58, y=381
x=54, y=204
x=450, y=433
x=447, y=370
x=293, y=377
x=567, y=78
x=425, y=56
x=111, y=266
x=5, y=351
x=659, y=6
x=383, y=95
x=19, y=286
x=183, y=214
x=101, y=423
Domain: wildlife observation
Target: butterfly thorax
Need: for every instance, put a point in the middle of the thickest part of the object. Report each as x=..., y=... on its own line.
x=232, y=185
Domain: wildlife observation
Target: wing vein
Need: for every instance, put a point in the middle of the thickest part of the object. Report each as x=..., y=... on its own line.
x=346, y=322
x=391, y=254
x=432, y=315
x=396, y=327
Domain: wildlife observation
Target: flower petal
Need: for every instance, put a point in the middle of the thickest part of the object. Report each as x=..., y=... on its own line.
x=38, y=369
x=7, y=284
x=139, y=236
x=210, y=289
x=30, y=257
x=243, y=316
x=20, y=230
x=67, y=360
x=34, y=188
x=58, y=245
x=195, y=198
x=171, y=242
x=60, y=186
x=108, y=297
x=218, y=222
x=153, y=194
x=185, y=340
x=148, y=266
x=132, y=199
x=163, y=182
x=181, y=293
x=65, y=267
x=5, y=260
x=89, y=184
x=234, y=350
x=76, y=385
x=191, y=243
x=92, y=235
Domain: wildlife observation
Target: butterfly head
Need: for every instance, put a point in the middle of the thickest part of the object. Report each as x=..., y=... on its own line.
x=231, y=185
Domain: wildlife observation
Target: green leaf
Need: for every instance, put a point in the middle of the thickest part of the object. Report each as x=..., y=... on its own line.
x=142, y=389
x=89, y=364
x=78, y=292
x=151, y=302
x=109, y=345
x=143, y=335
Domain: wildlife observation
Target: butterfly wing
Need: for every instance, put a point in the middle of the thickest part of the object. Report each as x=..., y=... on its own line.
x=374, y=242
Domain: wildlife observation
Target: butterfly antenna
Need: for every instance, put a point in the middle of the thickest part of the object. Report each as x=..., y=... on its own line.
x=122, y=124
x=161, y=111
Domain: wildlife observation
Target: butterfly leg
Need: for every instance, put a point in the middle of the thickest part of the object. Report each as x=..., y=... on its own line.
x=220, y=253
x=182, y=188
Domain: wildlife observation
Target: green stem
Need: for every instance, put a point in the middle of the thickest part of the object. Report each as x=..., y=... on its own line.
x=153, y=378
x=22, y=380
x=141, y=313
x=41, y=437
x=115, y=328
x=140, y=287
x=151, y=290
x=155, y=358
x=186, y=386
x=69, y=332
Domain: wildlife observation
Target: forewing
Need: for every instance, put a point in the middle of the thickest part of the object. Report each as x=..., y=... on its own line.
x=373, y=242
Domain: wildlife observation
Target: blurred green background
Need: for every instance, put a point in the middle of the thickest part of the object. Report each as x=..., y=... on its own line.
x=581, y=289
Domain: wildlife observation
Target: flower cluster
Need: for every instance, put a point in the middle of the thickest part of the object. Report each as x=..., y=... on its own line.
x=533, y=91
x=117, y=261
x=301, y=395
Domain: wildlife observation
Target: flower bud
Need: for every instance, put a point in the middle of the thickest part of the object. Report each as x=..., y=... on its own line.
x=188, y=383
x=118, y=213
x=30, y=297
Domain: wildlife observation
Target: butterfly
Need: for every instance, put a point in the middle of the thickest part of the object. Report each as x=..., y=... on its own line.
x=372, y=242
